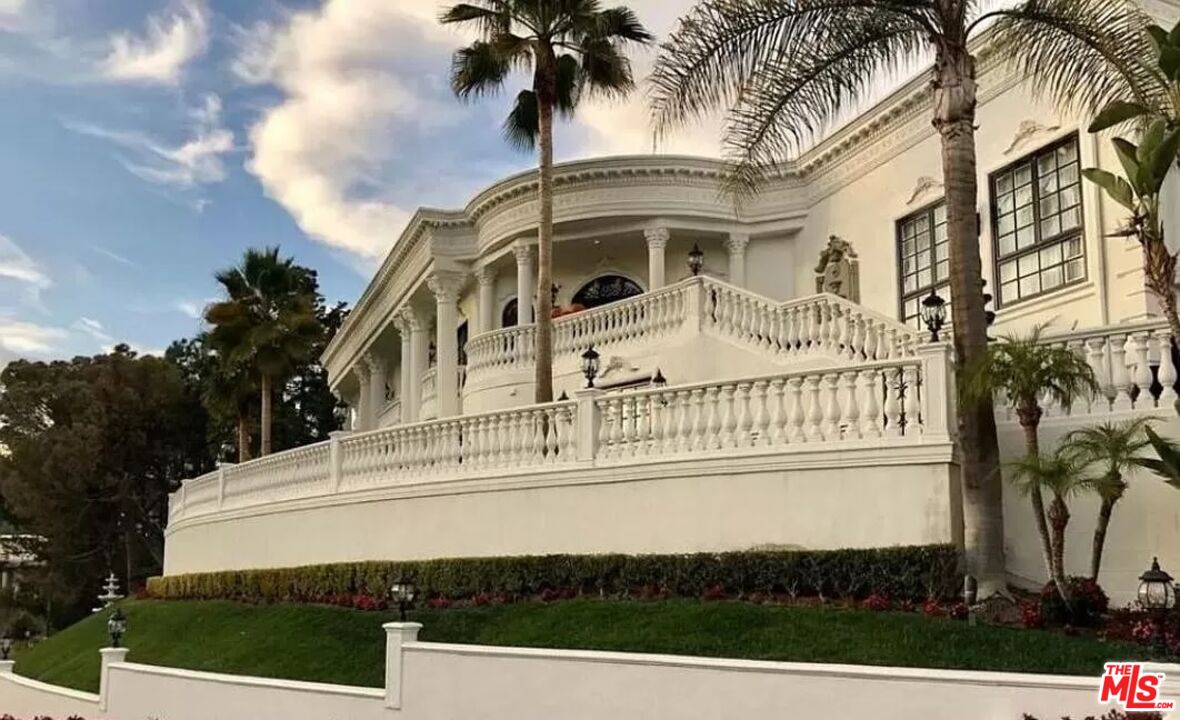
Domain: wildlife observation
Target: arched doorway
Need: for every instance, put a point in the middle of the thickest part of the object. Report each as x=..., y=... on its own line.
x=509, y=314
x=606, y=289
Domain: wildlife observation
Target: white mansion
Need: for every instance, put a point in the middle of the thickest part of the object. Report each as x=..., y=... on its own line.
x=785, y=396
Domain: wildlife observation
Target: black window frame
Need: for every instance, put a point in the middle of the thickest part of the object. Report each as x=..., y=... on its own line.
x=899, y=239
x=1039, y=243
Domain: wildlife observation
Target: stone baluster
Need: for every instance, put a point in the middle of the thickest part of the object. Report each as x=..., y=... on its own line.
x=815, y=414
x=797, y=416
x=1096, y=357
x=698, y=427
x=745, y=414
x=831, y=396
x=1119, y=376
x=850, y=410
x=1142, y=375
x=1167, y=368
x=871, y=416
x=759, y=413
x=913, y=413
x=728, y=420
x=778, y=412
x=892, y=406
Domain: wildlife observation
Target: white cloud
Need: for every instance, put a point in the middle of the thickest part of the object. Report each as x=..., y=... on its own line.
x=194, y=309
x=18, y=337
x=197, y=161
x=94, y=329
x=158, y=56
x=112, y=255
x=15, y=264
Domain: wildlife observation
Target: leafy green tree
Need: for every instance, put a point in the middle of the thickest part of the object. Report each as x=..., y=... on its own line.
x=1025, y=369
x=93, y=447
x=1112, y=448
x=785, y=70
x=1061, y=476
x=573, y=48
x=267, y=323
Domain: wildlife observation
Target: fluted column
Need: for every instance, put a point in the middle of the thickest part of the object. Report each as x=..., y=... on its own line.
x=376, y=388
x=736, y=245
x=364, y=411
x=657, y=241
x=525, y=278
x=446, y=286
x=485, y=277
x=419, y=357
x=403, y=331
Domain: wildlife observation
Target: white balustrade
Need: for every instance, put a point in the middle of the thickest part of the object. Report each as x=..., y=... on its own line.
x=201, y=494
x=291, y=474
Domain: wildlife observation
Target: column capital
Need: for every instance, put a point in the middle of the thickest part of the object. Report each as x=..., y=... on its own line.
x=409, y=319
x=737, y=242
x=363, y=371
x=523, y=252
x=375, y=362
x=657, y=238
x=485, y=276
x=446, y=284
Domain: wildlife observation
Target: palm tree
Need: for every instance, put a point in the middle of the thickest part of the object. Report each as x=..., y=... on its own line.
x=267, y=322
x=787, y=69
x=1060, y=475
x=231, y=389
x=1025, y=370
x=573, y=47
x=1113, y=447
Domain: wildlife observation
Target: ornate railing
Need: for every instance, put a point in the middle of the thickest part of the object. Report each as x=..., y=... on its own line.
x=901, y=400
x=819, y=324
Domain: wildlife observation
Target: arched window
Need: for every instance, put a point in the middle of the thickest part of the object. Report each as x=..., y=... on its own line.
x=508, y=314
x=606, y=289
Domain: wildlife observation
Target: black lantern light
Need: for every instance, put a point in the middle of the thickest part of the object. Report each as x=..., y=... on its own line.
x=658, y=380
x=6, y=645
x=403, y=593
x=117, y=627
x=696, y=260
x=934, y=314
x=590, y=360
x=1157, y=595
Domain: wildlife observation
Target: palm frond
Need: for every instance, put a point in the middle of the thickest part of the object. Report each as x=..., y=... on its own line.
x=569, y=84
x=621, y=23
x=492, y=17
x=1166, y=464
x=605, y=70
x=1082, y=54
x=1026, y=369
x=478, y=69
x=524, y=121
x=1057, y=473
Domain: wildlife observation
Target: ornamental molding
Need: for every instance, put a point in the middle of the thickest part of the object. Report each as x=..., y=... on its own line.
x=1027, y=131
x=923, y=187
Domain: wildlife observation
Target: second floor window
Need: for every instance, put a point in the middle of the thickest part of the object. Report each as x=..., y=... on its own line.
x=1037, y=216
x=924, y=257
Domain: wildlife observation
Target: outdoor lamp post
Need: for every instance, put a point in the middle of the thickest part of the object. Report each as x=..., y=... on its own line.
x=117, y=627
x=934, y=314
x=6, y=645
x=403, y=592
x=590, y=365
x=696, y=260
x=1157, y=595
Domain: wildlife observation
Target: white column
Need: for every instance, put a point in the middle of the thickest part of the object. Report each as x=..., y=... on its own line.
x=419, y=357
x=364, y=405
x=736, y=245
x=397, y=636
x=525, y=278
x=376, y=389
x=110, y=656
x=486, y=278
x=446, y=286
x=403, y=331
x=657, y=241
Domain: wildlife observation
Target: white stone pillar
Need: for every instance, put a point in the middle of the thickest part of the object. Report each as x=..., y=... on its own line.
x=446, y=285
x=736, y=245
x=657, y=241
x=364, y=405
x=419, y=359
x=376, y=389
x=486, y=278
x=110, y=656
x=403, y=332
x=7, y=667
x=526, y=275
x=397, y=636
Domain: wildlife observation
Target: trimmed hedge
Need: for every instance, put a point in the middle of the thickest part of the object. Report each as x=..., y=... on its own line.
x=913, y=572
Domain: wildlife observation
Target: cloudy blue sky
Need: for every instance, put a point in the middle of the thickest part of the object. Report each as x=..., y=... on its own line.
x=145, y=143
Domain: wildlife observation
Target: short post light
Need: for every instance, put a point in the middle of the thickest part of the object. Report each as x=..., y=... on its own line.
x=934, y=314
x=403, y=593
x=1157, y=595
x=590, y=360
x=6, y=643
x=117, y=627
x=696, y=260
x=970, y=596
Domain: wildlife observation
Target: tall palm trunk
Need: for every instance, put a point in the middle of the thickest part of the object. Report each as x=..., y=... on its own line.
x=1058, y=519
x=546, y=100
x=243, y=435
x=979, y=456
x=1099, y=542
x=267, y=415
x=1030, y=418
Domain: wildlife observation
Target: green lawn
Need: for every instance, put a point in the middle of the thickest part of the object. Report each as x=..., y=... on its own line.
x=335, y=645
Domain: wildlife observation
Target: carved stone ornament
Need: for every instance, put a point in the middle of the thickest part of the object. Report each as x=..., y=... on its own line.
x=1027, y=130
x=838, y=270
x=924, y=185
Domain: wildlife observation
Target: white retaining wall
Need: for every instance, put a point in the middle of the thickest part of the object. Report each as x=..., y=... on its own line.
x=434, y=681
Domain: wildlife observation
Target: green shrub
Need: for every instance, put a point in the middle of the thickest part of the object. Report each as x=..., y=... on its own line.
x=914, y=573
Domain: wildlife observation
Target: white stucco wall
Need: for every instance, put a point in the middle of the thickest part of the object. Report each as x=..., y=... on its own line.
x=25, y=698
x=851, y=498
